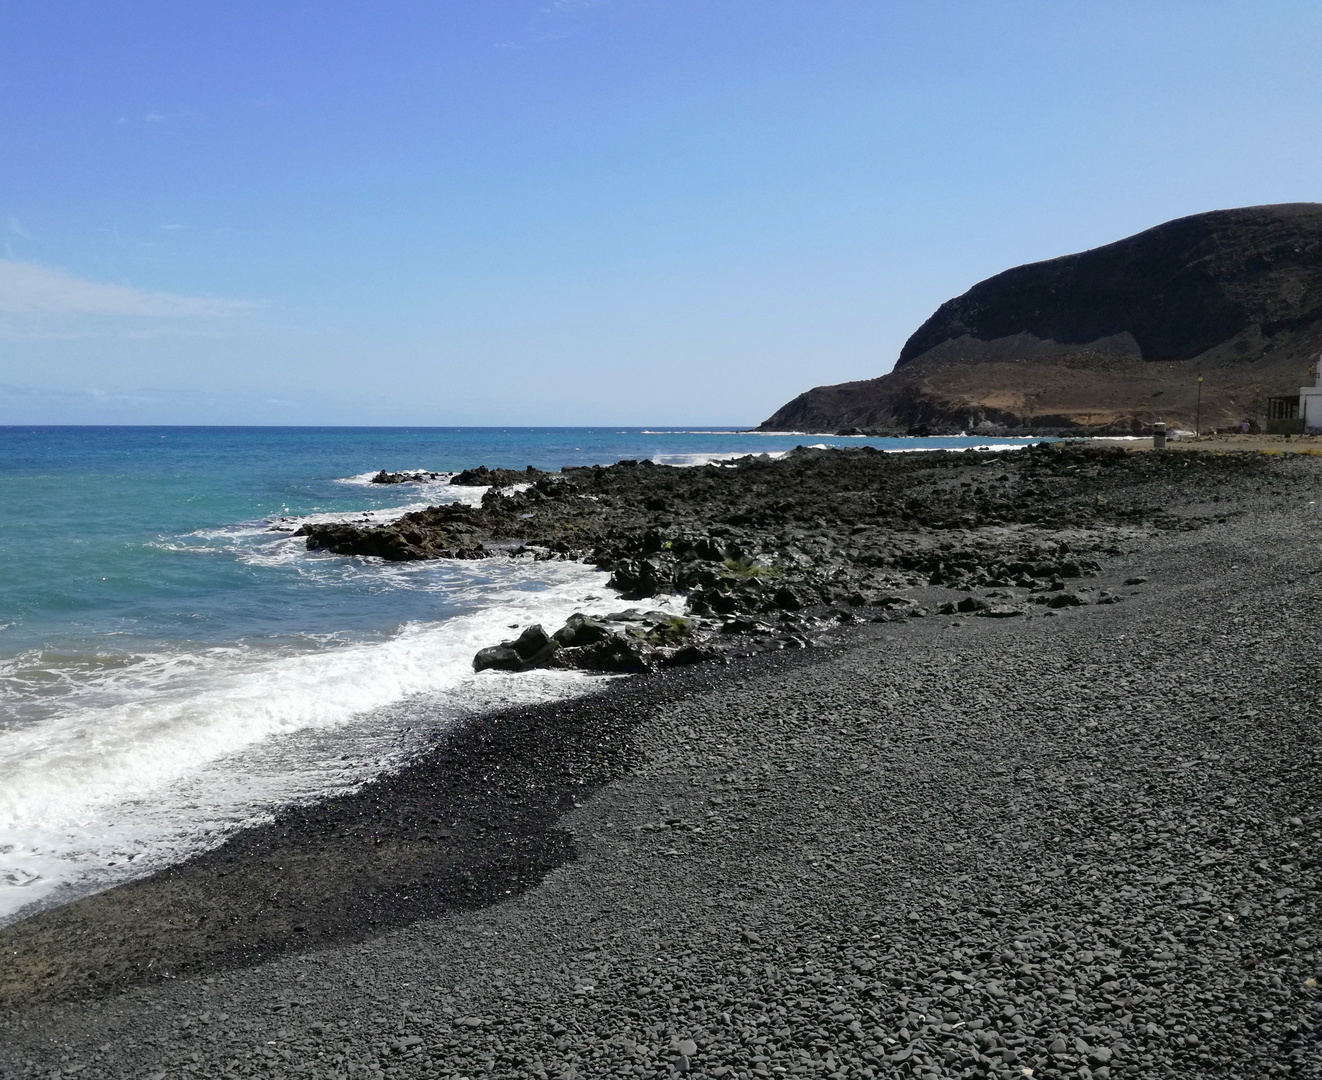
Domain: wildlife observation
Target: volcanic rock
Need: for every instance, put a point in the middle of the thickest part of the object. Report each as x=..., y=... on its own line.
x=420, y=477
x=532, y=648
x=581, y=630
x=623, y=654
x=484, y=477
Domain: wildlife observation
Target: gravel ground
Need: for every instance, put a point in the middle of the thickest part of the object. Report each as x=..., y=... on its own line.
x=1077, y=844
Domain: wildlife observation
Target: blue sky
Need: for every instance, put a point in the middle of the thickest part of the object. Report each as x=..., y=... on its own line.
x=576, y=212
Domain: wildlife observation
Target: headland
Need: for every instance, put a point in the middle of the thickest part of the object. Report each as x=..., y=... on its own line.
x=1197, y=322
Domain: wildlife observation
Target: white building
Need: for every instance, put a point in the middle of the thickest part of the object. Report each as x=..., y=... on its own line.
x=1310, y=402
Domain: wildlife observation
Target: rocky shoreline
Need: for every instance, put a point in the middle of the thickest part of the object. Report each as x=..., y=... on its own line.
x=1081, y=844
x=768, y=553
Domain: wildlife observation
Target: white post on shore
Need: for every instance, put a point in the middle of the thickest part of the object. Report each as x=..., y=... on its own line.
x=1159, y=436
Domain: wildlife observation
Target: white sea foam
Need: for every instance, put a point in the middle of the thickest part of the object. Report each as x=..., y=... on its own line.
x=381, y=516
x=430, y=493
x=435, y=492
x=980, y=447
x=795, y=434
x=689, y=460
x=164, y=754
x=442, y=479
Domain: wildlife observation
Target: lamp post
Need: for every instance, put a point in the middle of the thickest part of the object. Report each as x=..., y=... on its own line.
x=1198, y=417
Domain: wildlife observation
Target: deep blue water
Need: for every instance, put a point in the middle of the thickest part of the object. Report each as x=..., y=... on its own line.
x=168, y=662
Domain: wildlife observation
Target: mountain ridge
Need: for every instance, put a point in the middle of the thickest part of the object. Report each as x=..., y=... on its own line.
x=1107, y=340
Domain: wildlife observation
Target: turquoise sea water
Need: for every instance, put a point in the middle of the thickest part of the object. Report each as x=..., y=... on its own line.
x=171, y=666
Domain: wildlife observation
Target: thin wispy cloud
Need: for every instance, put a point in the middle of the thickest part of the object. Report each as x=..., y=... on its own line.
x=27, y=289
x=16, y=227
x=152, y=116
x=543, y=31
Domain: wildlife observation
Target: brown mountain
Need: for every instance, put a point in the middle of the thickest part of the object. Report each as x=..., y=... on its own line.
x=1110, y=339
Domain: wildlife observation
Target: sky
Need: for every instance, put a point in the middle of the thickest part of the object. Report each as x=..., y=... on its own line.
x=582, y=212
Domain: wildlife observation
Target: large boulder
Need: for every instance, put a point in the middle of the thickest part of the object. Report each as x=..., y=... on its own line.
x=402, y=541
x=618, y=654
x=395, y=542
x=588, y=644
x=670, y=631
x=533, y=648
x=622, y=642
x=580, y=630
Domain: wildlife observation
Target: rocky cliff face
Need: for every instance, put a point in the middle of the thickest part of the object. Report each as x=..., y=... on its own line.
x=1110, y=339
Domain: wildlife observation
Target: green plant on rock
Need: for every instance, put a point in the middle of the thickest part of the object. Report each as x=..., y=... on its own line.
x=674, y=631
x=745, y=568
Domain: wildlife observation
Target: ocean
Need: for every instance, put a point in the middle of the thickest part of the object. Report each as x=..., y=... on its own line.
x=172, y=668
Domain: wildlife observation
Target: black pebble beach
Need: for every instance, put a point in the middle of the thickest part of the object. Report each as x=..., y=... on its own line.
x=1081, y=842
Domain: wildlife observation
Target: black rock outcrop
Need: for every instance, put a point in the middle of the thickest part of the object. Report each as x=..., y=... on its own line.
x=484, y=477
x=533, y=648
x=421, y=476
x=1110, y=339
